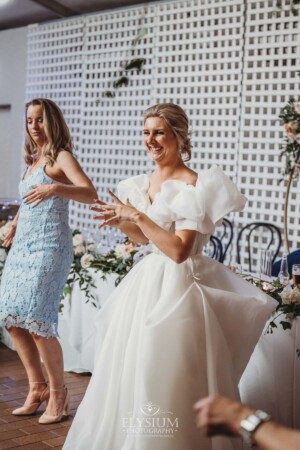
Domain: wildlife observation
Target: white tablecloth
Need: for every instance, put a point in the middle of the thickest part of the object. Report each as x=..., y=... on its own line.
x=76, y=324
x=271, y=381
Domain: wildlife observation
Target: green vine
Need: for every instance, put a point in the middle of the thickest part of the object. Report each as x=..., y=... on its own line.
x=130, y=65
x=290, y=311
x=290, y=117
x=103, y=264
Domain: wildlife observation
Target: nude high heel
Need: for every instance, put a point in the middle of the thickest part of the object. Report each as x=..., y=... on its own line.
x=33, y=407
x=46, y=418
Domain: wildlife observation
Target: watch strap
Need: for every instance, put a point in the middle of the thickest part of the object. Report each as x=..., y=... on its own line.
x=250, y=424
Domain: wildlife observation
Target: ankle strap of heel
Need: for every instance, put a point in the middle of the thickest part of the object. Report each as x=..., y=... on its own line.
x=59, y=389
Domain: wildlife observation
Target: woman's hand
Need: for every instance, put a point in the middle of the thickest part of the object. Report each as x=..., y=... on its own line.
x=10, y=235
x=39, y=193
x=220, y=415
x=114, y=214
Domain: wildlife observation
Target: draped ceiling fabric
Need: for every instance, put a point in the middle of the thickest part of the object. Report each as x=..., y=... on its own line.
x=231, y=64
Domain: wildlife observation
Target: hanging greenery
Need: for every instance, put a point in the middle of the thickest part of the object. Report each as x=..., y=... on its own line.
x=129, y=66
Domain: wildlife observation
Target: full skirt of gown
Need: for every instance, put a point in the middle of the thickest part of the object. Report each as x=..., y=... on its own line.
x=168, y=335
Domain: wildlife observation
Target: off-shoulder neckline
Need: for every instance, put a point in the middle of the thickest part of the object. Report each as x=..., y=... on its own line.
x=163, y=183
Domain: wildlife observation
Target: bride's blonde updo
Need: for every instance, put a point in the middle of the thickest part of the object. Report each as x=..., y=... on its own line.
x=56, y=131
x=177, y=120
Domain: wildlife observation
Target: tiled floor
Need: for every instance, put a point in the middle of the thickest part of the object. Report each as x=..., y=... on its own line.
x=24, y=432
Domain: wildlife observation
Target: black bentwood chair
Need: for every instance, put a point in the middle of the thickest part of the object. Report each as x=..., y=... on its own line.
x=271, y=240
x=216, y=248
x=225, y=235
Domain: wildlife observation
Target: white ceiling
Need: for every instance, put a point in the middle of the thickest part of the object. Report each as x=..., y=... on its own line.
x=18, y=13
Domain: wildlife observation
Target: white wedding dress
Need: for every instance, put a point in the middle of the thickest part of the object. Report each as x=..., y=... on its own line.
x=170, y=333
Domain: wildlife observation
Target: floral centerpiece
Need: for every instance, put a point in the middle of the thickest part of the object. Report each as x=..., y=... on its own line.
x=119, y=261
x=288, y=298
x=290, y=116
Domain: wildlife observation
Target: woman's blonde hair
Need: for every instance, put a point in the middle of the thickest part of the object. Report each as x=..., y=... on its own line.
x=56, y=132
x=176, y=118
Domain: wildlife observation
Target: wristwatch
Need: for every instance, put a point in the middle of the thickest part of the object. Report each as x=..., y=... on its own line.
x=250, y=425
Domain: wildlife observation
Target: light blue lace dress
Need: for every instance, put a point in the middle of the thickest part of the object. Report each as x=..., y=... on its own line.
x=38, y=263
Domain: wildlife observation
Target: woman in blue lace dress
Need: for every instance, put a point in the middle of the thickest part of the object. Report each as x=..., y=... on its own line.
x=39, y=261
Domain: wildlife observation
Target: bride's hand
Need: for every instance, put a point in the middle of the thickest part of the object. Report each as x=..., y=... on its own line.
x=114, y=214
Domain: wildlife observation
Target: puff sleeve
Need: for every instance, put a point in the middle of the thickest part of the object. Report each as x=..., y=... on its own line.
x=199, y=207
x=135, y=189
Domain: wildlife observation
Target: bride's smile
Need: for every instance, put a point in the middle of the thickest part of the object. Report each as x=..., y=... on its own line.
x=160, y=140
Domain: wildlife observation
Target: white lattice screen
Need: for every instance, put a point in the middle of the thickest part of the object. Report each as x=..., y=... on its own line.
x=271, y=58
x=230, y=63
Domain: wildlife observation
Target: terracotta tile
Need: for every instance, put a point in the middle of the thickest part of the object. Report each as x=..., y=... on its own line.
x=55, y=441
x=10, y=435
x=57, y=448
x=11, y=418
x=37, y=437
x=33, y=446
x=12, y=403
x=61, y=431
x=7, y=444
x=14, y=396
x=14, y=425
x=39, y=428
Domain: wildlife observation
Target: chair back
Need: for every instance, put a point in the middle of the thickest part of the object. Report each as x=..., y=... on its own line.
x=216, y=251
x=269, y=237
x=225, y=234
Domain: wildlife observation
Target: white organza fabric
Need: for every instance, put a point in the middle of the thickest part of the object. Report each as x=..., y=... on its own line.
x=170, y=333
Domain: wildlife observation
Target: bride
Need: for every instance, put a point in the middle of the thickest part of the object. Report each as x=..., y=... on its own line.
x=180, y=326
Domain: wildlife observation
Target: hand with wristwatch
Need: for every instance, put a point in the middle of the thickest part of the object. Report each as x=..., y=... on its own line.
x=217, y=415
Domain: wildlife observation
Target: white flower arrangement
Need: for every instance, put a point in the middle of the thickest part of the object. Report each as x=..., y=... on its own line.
x=3, y=256
x=79, y=250
x=124, y=250
x=86, y=260
x=118, y=261
x=4, y=230
x=79, y=246
x=290, y=296
x=78, y=239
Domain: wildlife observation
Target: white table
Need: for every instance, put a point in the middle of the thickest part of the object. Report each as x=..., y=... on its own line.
x=76, y=324
x=271, y=381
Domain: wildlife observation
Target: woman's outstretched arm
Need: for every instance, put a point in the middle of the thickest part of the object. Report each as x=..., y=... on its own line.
x=176, y=245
